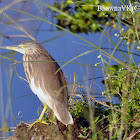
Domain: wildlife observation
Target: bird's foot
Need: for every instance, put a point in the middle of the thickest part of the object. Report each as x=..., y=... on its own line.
x=38, y=121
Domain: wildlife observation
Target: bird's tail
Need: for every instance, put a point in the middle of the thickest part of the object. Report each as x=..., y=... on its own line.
x=62, y=113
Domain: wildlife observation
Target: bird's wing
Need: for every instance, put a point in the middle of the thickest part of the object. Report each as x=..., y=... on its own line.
x=54, y=85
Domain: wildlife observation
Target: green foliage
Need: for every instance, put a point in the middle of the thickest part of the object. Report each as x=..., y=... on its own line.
x=80, y=109
x=124, y=85
x=86, y=17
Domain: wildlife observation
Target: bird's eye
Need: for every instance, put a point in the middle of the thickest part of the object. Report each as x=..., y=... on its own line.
x=22, y=46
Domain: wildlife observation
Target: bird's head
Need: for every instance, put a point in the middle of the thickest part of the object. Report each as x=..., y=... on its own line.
x=28, y=47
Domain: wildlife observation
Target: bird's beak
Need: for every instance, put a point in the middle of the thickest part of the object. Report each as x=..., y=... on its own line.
x=14, y=48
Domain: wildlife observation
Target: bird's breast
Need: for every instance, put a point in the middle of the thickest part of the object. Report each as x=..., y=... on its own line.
x=44, y=97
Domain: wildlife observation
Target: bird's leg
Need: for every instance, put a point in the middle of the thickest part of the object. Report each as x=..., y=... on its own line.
x=42, y=113
x=40, y=118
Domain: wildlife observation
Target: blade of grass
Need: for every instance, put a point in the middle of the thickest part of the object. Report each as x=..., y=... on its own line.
x=13, y=3
x=87, y=52
x=54, y=38
x=2, y=12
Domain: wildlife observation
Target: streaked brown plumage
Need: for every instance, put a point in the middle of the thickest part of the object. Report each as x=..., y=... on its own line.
x=50, y=88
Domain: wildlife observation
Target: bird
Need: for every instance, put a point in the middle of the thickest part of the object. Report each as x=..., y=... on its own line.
x=50, y=86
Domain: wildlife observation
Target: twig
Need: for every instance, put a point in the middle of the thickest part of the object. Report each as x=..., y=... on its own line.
x=73, y=89
x=103, y=103
x=8, y=36
x=21, y=77
x=130, y=138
